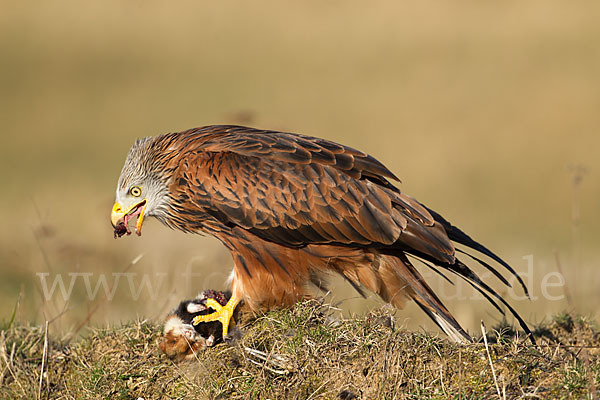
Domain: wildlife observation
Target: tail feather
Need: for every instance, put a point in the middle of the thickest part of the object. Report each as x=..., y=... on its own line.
x=456, y=334
x=423, y=295
x=393, y=278
x=463, y=271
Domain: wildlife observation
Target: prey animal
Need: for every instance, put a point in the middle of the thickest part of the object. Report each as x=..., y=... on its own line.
x=292, y=209
x=181, y=340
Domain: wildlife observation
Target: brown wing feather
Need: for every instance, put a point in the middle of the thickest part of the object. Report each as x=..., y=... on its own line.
x=273, y=185
x=293, y=148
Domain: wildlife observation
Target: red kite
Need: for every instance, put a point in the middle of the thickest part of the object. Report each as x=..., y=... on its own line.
x=292, y=208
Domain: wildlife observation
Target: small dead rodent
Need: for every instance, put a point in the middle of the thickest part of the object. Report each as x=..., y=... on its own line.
x=182, y=340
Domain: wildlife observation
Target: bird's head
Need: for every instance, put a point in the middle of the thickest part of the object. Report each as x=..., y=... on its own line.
x=142, y=189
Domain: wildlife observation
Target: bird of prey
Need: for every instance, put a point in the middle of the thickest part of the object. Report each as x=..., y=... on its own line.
x=291, y=209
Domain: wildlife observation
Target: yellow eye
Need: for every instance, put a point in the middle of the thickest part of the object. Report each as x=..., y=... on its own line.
x=135, y=191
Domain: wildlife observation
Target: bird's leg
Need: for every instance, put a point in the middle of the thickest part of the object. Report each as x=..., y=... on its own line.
x=222, y=313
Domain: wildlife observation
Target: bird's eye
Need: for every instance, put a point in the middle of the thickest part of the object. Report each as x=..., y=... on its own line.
x=135, y=191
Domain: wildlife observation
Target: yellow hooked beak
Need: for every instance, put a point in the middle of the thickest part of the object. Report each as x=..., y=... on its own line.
x=120, y=218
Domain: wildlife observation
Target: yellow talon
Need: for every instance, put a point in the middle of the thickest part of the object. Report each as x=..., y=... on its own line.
x=222, y=313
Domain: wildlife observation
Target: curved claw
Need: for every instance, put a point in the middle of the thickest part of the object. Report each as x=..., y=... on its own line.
x=222, y=314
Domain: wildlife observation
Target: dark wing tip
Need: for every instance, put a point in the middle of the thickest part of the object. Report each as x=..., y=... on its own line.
x=457, y=235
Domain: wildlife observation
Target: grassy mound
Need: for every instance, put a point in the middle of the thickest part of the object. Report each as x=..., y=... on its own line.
x=305, y=353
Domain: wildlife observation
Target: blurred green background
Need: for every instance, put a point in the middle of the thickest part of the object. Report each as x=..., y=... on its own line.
x=488, y=111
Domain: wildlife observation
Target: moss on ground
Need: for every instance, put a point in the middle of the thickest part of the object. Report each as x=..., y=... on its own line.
x=304, y=352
